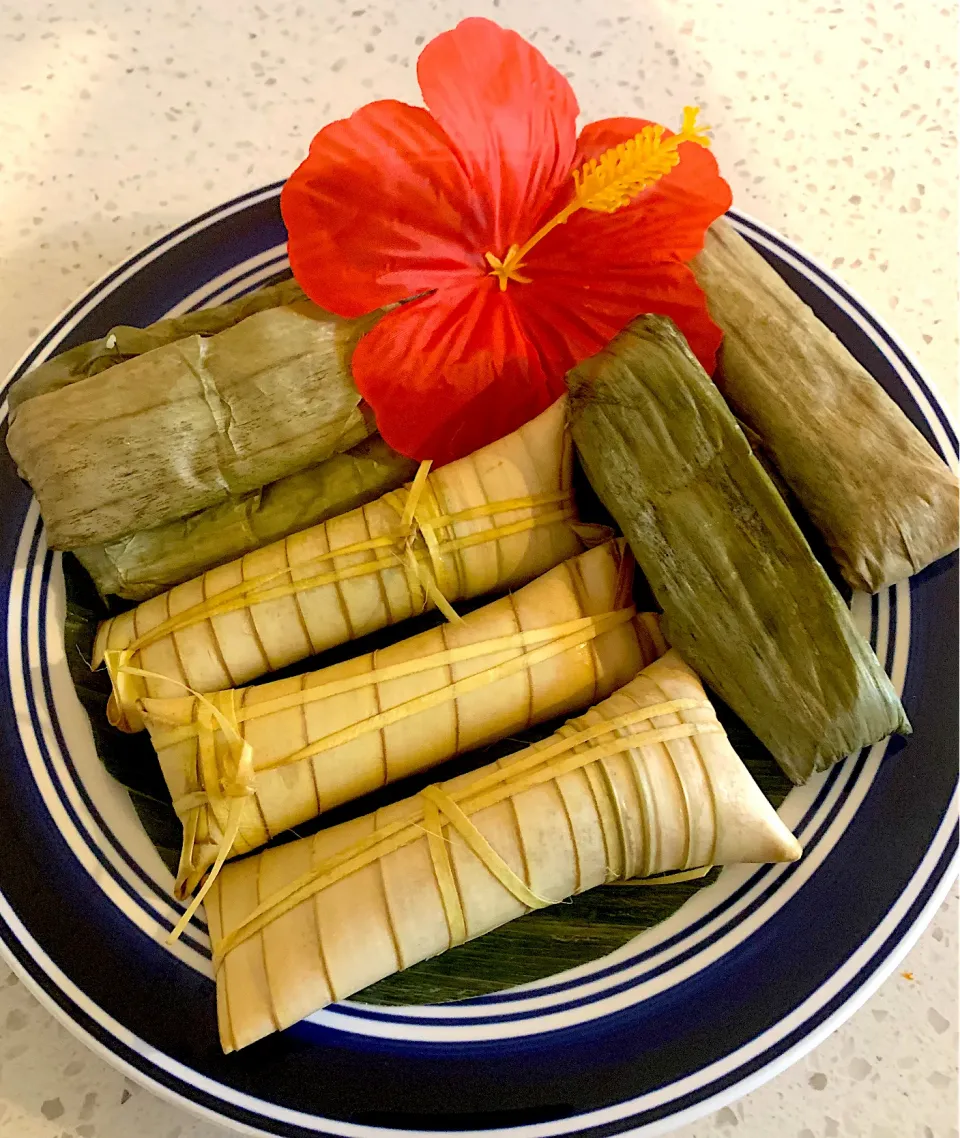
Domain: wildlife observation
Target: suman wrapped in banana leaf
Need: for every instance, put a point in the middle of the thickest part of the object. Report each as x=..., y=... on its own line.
x=189, y=424
x=744, y=599
x=884, y=501
x=143, y=564
x=645, y=782
x=485, y=523
x=123, y=342
x=318, y=740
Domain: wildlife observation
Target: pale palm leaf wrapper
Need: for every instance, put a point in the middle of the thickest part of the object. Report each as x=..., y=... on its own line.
x=559, y=644
x=645, y=782
x=486, y=523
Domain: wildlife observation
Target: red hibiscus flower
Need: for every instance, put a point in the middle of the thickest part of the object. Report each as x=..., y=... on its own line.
x=468, y=212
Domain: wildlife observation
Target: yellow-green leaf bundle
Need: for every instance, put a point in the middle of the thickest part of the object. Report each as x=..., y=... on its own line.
x=124, y=341
x=143, y=564
x=189, y=424
x=744, y=599
x=883, y=499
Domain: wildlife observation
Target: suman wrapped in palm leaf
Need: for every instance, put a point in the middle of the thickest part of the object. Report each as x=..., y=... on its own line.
x=188, y=424
x=744, y=599
x=488, y=522
x=560, y=643
x=883, y=499
x=644, y=782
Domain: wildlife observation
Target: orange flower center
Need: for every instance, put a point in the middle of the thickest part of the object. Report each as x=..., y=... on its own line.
x=607, y=183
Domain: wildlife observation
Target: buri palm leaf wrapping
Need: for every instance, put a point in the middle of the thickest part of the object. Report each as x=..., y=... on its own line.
x=486, y=523
x=643, y=783
x=318, y=740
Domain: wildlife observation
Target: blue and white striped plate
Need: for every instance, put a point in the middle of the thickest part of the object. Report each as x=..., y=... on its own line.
x=749, y=974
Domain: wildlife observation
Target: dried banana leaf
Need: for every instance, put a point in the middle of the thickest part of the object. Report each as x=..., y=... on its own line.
x=744, y=599
x=144, y=564
x=762, y=455
x=190, y=424
x=883, y=500
x=123, y=342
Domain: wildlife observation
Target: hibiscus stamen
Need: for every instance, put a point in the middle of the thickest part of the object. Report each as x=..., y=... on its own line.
x=607, y=183
x=613, y=180
x=506, y=270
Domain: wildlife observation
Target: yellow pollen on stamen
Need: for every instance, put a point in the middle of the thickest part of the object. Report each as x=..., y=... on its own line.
x=607, y=183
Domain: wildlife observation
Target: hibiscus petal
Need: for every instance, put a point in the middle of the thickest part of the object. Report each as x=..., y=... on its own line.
x=451, y=372
x=674, y=213
x=591, y=276
x=511, y=117
x=378, y=211
x=573, y=307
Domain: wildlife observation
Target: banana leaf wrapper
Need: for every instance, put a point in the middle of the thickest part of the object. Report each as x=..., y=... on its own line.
x=744, y=599
x=123, y=341
x=188, y=425
x=144, y=564
x=319, y=740
x=644, y=783
x=884, y=501
x=486, y=523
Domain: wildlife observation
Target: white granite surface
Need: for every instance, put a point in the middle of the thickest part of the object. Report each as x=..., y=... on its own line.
x=834, y=122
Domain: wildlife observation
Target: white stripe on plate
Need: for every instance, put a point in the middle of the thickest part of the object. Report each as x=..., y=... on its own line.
x=843, y=976
x=82, y=844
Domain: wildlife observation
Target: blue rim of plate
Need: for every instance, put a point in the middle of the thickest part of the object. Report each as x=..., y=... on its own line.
x=747, y=976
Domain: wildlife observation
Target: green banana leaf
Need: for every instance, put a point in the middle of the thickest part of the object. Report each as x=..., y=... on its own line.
x=123, y=342
x=189, y=424
x=146, y=563
x=884, y=501
x=744, y=599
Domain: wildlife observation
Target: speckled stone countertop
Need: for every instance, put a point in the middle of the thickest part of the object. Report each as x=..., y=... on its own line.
x=833, y=122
